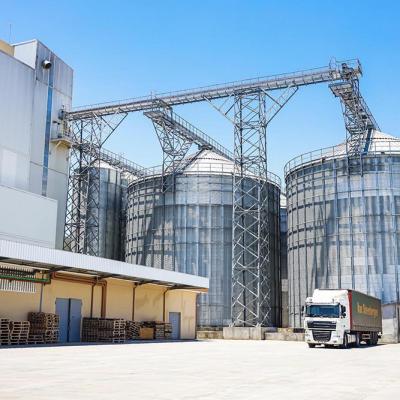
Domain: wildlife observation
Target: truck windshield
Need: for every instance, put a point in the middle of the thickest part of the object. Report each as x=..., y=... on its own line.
x=323, y=310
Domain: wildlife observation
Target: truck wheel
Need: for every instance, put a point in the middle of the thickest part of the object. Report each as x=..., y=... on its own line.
x=374, y=339
x=345, y=344
x=357, y=343
x=371, y=340
x=311, y=345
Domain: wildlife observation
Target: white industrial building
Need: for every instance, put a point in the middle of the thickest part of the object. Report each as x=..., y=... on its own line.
x=32, y=160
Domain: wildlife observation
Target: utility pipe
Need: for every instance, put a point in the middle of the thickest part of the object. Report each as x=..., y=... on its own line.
x=42, y=281
x=134, y=300
x=26, y=279
x=41, y=297
x=164, y=296
x=87, y=281
x=91, y=300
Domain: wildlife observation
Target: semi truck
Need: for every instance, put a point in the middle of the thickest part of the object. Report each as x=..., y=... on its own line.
x=342, y=317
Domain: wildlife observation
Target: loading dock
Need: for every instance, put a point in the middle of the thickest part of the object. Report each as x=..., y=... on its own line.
x=77, y=286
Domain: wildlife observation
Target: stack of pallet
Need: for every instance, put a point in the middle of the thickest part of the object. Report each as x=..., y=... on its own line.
x=44, y=328
x=168, y=330
x=112, y=330
x=133, y=330
x=104, y=330
x=158, y=327
x=159, y=332
x=90, y=329
x=4, y=331
x=19, y=332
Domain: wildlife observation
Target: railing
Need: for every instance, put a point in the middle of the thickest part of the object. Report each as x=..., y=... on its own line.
x=304, y=77
x=203, y=136
x=204, y=168
x=383, y=146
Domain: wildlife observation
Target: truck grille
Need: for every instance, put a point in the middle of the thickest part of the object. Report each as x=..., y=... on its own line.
x=321, y=325
x=322, y=336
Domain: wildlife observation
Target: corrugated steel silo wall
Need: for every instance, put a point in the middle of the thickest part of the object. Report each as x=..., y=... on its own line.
x=343, y=228
x=198, y=219
x=284, y=267
x=113, y=188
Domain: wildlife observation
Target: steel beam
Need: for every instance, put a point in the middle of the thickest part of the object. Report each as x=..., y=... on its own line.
x=358, y=118
x=186, y=131
x=331, y=73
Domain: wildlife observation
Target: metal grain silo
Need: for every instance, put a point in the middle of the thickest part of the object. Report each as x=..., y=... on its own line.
x=283, y=263
x=343, y=221
x=111, y=213
x=190, y=230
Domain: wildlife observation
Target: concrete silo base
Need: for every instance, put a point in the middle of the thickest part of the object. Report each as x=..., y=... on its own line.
x=246, y=333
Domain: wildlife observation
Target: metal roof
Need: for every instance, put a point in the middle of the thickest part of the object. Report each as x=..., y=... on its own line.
x=60, y=260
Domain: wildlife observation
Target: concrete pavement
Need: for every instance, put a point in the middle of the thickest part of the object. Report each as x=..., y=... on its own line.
x=217, y=369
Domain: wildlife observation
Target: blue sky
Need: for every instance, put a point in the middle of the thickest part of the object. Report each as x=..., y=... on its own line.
x=123, y=49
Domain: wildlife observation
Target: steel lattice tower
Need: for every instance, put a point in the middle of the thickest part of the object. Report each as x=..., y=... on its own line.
x=250, y=250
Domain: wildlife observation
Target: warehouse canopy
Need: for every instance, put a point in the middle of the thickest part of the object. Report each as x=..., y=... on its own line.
x=60, y=260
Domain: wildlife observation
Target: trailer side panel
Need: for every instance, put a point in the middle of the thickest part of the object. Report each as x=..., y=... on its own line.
x=366, y=312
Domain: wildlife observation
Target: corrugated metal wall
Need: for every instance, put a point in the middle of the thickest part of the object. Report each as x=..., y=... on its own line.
x=113, y=192
x=284, y=266
x=197, y=217
x=343, y=218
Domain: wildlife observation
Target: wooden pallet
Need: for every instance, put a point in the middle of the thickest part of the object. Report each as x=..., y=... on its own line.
x=168, y=330
x=35, y=339
x=103, y=330
x=133, y=330
x=45, y=325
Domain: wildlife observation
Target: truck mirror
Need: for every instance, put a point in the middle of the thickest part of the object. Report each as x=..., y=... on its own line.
x=343, y=310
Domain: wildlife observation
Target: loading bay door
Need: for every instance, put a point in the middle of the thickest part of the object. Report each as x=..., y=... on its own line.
x=175, y=321
x=70, y=314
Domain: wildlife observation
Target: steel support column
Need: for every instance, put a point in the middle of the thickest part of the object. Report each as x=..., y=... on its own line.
x=250, y=250
x=251, y=269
